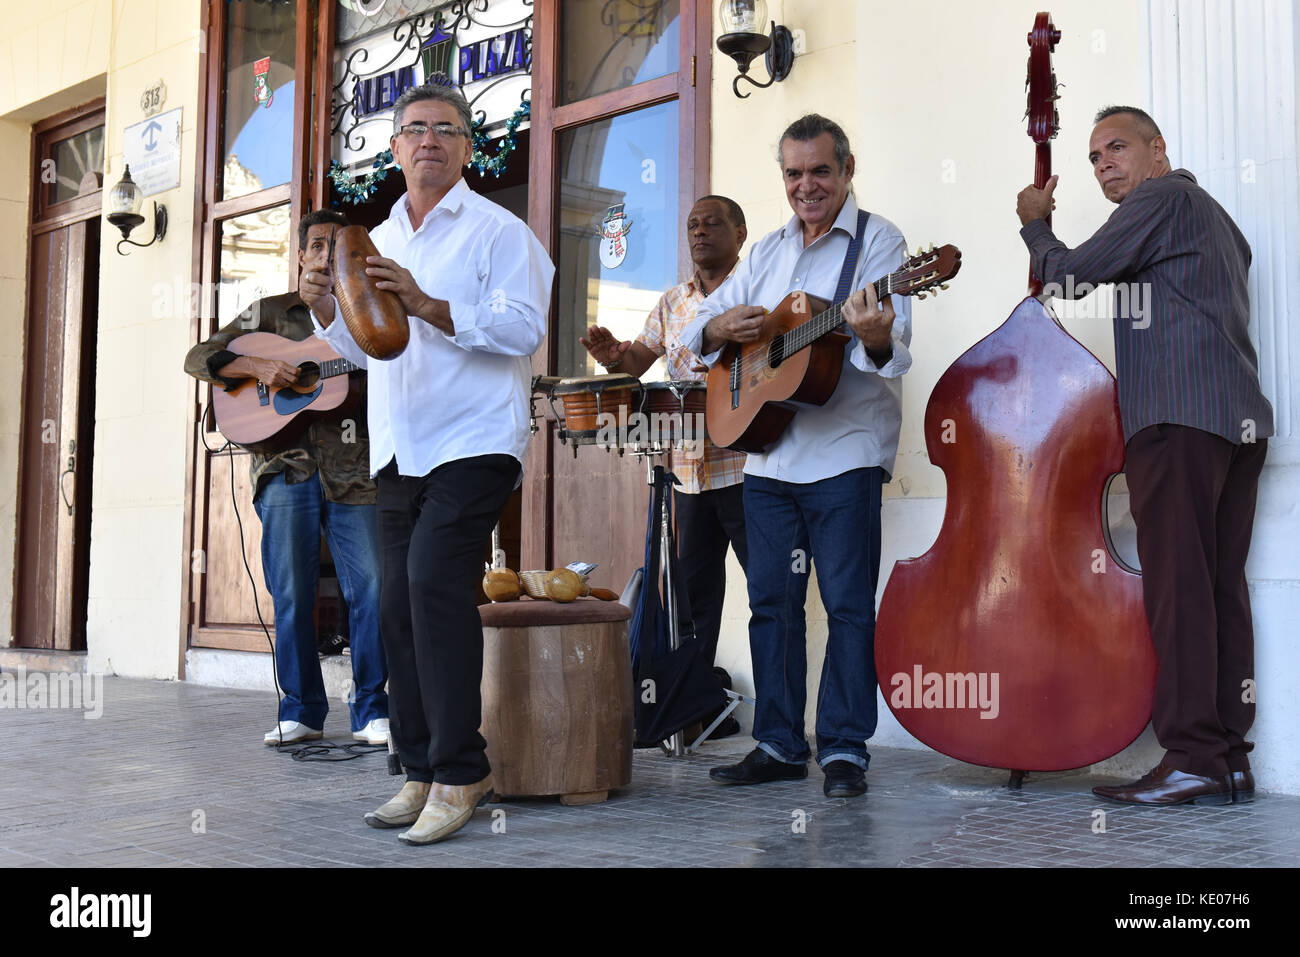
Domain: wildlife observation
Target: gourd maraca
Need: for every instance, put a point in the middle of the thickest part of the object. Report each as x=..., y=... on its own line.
x=501, y=584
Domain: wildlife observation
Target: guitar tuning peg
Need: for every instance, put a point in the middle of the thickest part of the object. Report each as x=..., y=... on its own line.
x=920, y=295
x=931, y=249
x=943, y=285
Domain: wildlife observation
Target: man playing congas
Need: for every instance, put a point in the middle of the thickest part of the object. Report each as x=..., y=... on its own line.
x=448, y=429
x=710, y=513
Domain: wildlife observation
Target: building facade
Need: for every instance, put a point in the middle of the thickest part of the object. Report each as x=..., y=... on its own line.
x=126, y=554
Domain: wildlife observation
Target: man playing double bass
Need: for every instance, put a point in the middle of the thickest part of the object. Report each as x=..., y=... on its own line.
x=709, y=500
x=1195, y=423
x=814, y=494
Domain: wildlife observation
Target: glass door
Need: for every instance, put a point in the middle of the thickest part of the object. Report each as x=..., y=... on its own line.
x=620, y=135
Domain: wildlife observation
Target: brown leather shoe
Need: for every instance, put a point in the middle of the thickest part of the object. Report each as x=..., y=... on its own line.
x=1163, y=786
x=403, y=809
x=1243, y=787
x=448, y=809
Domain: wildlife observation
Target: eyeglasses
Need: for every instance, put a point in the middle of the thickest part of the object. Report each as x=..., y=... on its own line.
x=444, y=131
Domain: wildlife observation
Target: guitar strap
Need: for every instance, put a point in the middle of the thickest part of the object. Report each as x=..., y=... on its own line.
x=845, y=287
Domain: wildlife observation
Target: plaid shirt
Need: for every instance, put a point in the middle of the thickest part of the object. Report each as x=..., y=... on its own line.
x=718, y=467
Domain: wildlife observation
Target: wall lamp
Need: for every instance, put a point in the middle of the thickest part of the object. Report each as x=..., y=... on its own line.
x=124, y=201
x=742, y=41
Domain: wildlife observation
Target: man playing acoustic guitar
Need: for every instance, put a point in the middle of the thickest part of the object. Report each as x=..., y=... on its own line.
x=815, y=492
x=321, y=482
x=709, y=504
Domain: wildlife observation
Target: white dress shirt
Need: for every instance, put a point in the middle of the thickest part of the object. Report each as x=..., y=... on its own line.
x=858, y=426
x=454, y=397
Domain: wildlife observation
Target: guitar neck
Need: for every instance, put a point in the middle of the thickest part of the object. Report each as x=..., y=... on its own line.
x=333, y=367
x=805, y=334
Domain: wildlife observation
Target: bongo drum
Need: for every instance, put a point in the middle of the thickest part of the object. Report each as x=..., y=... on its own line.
x=674, y=411
x=589, y=399
x=544, y=386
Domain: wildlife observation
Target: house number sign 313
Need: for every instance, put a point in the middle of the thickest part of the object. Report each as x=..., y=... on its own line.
x=153, y=98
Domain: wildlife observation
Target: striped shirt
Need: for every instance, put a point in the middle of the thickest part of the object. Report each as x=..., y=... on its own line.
x=718, y=467
x=1182, y=351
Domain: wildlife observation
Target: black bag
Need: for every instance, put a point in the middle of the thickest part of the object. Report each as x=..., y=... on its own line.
x=674, y=688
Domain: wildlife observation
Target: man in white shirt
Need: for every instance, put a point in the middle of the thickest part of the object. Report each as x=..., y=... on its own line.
x=814, y=494
x=448, y=429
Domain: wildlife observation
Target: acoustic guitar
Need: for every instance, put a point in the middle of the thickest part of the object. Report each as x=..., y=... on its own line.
x=262, y=419
x=753, y=388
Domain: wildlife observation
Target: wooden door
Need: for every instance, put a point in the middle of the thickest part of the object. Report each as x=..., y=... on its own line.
x=56, y=439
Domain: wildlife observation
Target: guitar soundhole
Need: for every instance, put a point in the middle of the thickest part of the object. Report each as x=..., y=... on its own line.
x=776, y=352
x=308, y=376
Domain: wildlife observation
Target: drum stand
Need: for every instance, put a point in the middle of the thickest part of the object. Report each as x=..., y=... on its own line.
x=657, y=477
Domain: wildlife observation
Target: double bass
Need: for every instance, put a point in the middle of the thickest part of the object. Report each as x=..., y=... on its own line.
x=1019, y=640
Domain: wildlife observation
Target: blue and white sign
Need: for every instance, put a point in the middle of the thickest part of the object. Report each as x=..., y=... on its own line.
x=152, y=148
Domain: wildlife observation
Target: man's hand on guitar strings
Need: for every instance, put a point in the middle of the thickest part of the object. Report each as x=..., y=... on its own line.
x=741, y=324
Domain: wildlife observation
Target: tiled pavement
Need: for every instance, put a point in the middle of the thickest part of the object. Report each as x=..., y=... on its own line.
x=175, y=774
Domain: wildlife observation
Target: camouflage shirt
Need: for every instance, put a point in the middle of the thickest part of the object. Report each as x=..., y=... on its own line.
x=344, y=466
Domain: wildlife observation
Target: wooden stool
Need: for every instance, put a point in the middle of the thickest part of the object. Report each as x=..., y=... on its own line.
x=557, y=698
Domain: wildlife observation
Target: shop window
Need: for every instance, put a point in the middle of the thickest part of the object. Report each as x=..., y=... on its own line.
x=609, y=46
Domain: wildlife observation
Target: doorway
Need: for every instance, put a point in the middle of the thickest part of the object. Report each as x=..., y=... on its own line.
x=56, y=438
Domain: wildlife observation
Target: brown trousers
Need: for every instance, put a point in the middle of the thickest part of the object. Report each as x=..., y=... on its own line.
x=1193, y=499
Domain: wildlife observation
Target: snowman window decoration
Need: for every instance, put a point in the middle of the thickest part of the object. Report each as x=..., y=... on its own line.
x=613, y=232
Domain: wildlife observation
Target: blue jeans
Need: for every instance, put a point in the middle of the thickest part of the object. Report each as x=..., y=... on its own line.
x=838, y=521
x=292, y=519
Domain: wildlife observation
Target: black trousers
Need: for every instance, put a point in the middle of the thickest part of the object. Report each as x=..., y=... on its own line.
x=707, y=522
x=432, y=533
x=1192, y=496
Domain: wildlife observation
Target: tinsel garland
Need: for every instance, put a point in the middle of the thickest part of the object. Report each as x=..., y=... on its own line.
x=505, y=146
x=358, y=191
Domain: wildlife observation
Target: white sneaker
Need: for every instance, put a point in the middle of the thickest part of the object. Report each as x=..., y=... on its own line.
x=289, y=732
x=376, y=732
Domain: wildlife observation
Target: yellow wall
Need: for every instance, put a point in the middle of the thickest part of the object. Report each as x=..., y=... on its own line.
x=61, y=55
x=52, y=56
x=932, y=99
x=139, y=495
